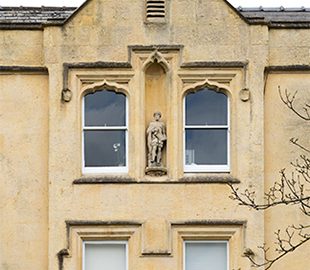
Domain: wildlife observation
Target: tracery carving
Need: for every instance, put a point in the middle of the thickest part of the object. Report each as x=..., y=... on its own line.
x=105, y=84
x=156, y=56
x=206, y=83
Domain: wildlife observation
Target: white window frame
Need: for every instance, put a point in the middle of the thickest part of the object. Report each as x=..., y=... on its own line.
x=105, y=243
x=206, y=168
x=204, y=241
x=106, y=169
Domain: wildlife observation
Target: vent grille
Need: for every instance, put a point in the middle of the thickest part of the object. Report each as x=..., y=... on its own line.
x=155, y=9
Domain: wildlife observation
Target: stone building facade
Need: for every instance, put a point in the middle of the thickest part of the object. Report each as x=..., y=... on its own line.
x=79, y=87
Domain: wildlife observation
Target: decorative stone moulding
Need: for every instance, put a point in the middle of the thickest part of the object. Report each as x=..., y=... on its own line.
x=245, y=94
x=106, y=84
x=156, y=171
x=66, y=95
x=206, y=83
x=156, y=56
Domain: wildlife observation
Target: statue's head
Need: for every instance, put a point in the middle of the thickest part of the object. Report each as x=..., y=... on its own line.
x=157, y=114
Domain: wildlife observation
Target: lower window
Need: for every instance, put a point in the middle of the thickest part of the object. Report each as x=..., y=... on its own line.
x=105, y=255
x=206, y=255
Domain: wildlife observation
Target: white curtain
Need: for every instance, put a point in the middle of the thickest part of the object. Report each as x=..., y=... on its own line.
x=206, y=255
x=103, y=256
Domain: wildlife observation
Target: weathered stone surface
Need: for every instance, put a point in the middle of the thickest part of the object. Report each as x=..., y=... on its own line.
x=46, y=201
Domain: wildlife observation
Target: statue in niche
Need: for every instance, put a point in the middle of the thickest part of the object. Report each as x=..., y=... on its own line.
x=156, y=136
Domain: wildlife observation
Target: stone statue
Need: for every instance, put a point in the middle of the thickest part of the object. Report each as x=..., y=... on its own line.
x=156, y=136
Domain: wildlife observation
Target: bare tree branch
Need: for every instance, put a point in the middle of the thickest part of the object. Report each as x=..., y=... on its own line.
x=289, y=190
x=288, y=100
x=294, y=141
x=285, y=246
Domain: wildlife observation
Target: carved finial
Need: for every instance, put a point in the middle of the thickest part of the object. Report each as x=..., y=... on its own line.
x=156, y=55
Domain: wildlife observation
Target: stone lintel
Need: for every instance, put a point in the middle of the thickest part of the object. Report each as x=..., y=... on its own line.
x=89, y=65
x=215, y=64
x=23, y=69
x=288, y=68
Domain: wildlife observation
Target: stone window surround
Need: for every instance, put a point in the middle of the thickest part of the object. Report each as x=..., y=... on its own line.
x=192, y=75
x=116, y=88
x=208, y=168
x=177, y=232
x=232, y=231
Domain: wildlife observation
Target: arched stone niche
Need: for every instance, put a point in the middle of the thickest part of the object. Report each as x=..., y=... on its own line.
x=156, y=92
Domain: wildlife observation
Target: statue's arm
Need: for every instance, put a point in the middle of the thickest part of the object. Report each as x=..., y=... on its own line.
x=150, y=128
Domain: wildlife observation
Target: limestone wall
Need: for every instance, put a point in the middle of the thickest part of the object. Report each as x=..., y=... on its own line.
x=24, y=171
x=21, y=48
x=281, y=124
x=51, y=206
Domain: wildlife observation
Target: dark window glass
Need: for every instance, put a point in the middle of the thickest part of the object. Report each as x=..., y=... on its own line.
x=105, y=108
x=206, y=107
x=104, y=148
x=206, y=146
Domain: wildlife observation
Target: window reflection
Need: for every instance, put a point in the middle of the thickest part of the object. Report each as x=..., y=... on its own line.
x=206, y=107
x=206, y=146
x=104, y=148
x=105, y=108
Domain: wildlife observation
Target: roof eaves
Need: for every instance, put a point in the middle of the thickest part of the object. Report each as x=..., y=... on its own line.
x=272, y=9
x=21, y=26
x=290, y=25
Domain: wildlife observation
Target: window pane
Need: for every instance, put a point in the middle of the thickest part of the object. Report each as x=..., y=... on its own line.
x=105, y=257
x=104, y=148
x=206, y=107
x=206, y=256
x=105, y=108
x=206, y=146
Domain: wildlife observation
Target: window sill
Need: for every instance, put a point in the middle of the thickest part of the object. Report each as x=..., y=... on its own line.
x=216, y=178
x=104, y=179
x=210, y=178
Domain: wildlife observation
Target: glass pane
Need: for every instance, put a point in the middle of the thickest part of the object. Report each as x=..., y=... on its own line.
x=206, y=107
x=104, y=148
x=105, y=257
x=206, y=146
x=105, y=108
x=206, y=256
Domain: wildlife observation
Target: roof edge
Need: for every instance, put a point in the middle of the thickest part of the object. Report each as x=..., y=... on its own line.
x=237, y=12
x=75, y=12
